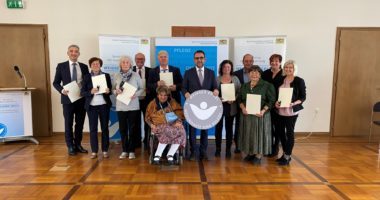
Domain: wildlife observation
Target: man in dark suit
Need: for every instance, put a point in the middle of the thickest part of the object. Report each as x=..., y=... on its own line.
x=66, y=72
x=154, y=77
x=143, y=71
x=199, y=78
x=243, y=75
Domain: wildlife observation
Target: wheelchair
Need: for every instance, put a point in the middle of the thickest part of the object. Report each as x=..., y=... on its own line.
x=153, y=144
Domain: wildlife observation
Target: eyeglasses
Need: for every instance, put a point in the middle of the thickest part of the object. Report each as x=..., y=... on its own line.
x=199, y=58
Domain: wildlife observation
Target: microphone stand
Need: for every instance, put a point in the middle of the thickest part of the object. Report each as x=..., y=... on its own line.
x=24, y=77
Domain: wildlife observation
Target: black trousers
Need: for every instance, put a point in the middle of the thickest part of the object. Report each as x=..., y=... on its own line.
x=70, y=112
x=229, y=120
x=285, y=130
x=275, y=137
x=193, y=141
x=127, y=128
x=101, y=112
x=143, y=105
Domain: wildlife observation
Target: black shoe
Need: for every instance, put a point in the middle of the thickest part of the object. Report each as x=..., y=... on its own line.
x=72, y=151
x=192, y=157
x=217, y=153
x=237, y=151
x=249, y=158
x=80, y=149
x=284, y=162
x=156, y=162
x=256, y=161
x=228, y=154
x=282, y=159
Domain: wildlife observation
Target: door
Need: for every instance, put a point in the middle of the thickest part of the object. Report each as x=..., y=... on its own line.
x=26, y=46
x=356, y=80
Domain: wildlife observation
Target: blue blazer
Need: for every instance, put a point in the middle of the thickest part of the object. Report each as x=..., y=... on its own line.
x=63, y=77
x=87, y=87
x=191, y=81
x=154, y=77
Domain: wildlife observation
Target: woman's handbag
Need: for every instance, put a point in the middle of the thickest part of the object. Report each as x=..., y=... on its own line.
x=171, y=117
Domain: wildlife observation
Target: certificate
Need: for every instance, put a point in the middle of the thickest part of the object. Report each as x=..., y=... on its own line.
x=74, y=91
x=228, y=92
x=128, y=91
x=253, y=104
x=167, y=78
x=285, y=97
x=100, y=83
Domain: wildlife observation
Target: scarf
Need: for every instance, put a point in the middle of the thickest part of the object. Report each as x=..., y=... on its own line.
x=126, y=75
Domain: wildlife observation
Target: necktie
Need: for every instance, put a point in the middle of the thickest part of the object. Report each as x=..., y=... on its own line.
x=74, y=75
x=200, y=76
x=140, y=73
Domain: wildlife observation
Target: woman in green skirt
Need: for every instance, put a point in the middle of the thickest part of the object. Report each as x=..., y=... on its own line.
x=255, y=129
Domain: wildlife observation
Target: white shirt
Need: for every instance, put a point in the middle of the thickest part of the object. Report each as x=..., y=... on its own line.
x=97, y=100
x=142, y=71
x=162, y=69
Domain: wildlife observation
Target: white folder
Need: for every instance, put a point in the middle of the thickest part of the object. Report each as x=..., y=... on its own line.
x=128, y=91
x=228, y=92
x=100, y=82
x=285, y=97
x=253, y=104
x=167, y=78
x=74, y=91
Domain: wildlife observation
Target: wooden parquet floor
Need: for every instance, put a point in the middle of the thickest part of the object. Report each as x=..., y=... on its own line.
x=322, y=168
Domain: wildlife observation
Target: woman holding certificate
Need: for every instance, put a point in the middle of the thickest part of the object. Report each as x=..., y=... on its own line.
x=229, y=85
x=292, y=93
x=96, y=90
x=256, y=98
x=127, y=87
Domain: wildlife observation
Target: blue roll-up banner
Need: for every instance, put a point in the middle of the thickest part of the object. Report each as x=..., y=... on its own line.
x=181, y=54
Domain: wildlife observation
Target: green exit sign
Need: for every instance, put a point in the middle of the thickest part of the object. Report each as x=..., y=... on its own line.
x=15, y=4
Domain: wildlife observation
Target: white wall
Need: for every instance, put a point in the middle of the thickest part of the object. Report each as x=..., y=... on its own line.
x=309, y=25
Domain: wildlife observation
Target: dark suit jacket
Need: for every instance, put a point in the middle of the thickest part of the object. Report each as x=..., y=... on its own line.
x=299, y=92
x=87, y=87
x=63, y=77
x=191, y=81
x=240, y=74
x=147, y=71
x=154, y=77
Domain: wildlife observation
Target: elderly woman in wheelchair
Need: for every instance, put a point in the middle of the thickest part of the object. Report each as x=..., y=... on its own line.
x=164, y=115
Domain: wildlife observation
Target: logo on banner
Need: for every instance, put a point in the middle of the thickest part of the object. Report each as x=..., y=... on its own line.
x=203, y=110
x=3, y=130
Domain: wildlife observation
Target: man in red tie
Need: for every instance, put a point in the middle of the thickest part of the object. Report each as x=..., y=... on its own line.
x=143, y=71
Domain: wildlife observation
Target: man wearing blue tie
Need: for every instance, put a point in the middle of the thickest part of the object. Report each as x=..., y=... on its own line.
x=199, y=78
x=67, y=72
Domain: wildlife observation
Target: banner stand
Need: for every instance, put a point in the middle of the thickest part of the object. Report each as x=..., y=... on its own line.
x=16, y=115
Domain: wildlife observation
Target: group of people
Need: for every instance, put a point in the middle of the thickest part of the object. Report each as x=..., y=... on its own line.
x=255, y=135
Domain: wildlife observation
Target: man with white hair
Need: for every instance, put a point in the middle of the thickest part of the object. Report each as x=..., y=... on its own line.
x=164, y=67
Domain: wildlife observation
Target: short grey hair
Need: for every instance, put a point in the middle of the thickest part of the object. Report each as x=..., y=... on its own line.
x=122, y=58
x=73, y=45
x=163, y=52
x=290, y=62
